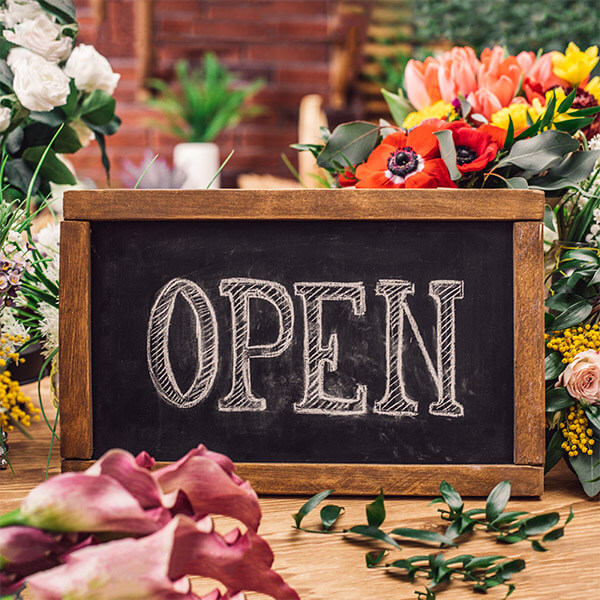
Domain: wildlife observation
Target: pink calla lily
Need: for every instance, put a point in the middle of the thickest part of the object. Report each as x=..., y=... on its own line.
x=154, y=567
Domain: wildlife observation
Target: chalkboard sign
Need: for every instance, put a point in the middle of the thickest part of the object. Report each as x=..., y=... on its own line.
x=320, y=338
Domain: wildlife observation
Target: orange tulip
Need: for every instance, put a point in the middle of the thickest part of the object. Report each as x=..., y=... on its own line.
x=499, y=75
x=457, y=73
x=484, y=102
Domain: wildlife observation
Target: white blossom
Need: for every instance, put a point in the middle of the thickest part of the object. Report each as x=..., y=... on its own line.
x=11, y=329
x=39, y=85
x=17, y=11
x=42, y=36
x=48, y=327
x=91, y=70
x=5, y=115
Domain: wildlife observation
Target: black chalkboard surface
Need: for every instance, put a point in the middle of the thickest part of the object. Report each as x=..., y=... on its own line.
x=305, y=341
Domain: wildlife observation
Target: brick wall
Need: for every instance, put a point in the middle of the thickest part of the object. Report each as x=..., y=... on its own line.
x=287, y=43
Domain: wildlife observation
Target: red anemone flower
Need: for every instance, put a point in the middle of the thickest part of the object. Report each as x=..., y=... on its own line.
x=406, y=161
x=475, y=148
x=347, y=178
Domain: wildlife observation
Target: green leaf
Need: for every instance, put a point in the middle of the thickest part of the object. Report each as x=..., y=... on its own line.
x=539, y=523
x=13, y=518
x=557, y=399
x=554, y=366
x=554, y=535
x=103, y=155
x=497, y=500
x=573, y=125
x=554, y=451
x=310, y=504
x=67, y=141
x=109, y=128
x=399, y=106
x=593, y=415
x=507, y=517
x=566, y=104
x=448, y=152
x=510, y=133
x=374, y=558
x=53, y=168
x=462, y=558
x=98, y=108
x=19, y=174
x=424, y=536
x=451, y=496
x=482, y=562
x=65, y=9
x=376, y=511
x=6, y=76
x=72, y=100
x=583, y=464
x=373, y=532
x=349, y=143
x=329, y=515
x=549, y=112
x=549, y=218
x=573, y=315
x=507, y=569
x=53, y=118
x=541, y=151
x=512, y=538
x=535, y=544
x=562, y=301
x=585, y=112
x=571, y=171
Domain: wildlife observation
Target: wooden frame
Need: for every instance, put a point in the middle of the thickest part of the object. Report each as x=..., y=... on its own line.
x=524, y=208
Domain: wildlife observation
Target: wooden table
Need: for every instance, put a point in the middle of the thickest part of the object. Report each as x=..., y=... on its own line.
x=323, y=567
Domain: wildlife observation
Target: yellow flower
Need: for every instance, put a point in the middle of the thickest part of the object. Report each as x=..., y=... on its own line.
x=593, y=88
x=439, y=110
x=517, y=111
x=574, y=65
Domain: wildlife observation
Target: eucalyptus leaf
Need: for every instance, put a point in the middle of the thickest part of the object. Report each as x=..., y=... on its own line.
x=373, y=532
x=557, y=399
x=497, y=500
x=329, y=515
x=376, y=511
x=349, y=143
x=554, y=535
x=541, y=151
x=535, y=544
x=448, y=152
x=571, y=171
x=553, y=366
x=563, y=301
x=482, y=562
x=549, y=218
x=507, y=517
x=517, y=183
x=310, y=504
x=398, y=104
x=423, y=535
x=374, y=558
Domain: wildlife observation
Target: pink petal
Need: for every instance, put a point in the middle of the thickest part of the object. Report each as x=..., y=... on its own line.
x=83, y=502
x=414, y=82
x=209, y=487
x=241, y=562
x=143, y=459
x=124, y=468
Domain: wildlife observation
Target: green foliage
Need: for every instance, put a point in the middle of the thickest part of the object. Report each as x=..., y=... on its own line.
x=485, y=572
x=516, y=25
x=205, y=102
x=350, y=144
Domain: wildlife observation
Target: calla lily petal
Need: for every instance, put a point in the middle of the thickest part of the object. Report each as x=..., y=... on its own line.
x=211, y=486
x=82, y=502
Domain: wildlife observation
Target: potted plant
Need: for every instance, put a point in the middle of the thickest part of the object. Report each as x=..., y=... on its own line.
x=204, y=103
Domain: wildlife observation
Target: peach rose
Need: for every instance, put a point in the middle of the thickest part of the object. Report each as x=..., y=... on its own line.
x=582, y=377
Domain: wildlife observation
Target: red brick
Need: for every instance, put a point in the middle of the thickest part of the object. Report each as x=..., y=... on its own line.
x=295, y=53
x=310, y=74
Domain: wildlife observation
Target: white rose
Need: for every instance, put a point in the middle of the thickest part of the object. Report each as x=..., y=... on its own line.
x=5, y=114
x=39, y=85
x=41, y=35
x=91, y=70
x=17, y=11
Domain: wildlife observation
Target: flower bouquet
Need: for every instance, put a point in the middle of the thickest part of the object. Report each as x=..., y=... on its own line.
x=48, y=89
x=120, y=530
x=519, y=122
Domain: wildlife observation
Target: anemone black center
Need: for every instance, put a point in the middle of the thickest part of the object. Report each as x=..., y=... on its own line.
x=403, y=161
x=465, y=155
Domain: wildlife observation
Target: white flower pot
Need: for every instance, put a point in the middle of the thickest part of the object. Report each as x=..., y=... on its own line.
x=199, y=162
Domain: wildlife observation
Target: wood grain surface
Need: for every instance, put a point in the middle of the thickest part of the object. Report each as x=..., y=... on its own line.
x=75, y=341
x=312, y=204
x=528, y=260
x=323, y=567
